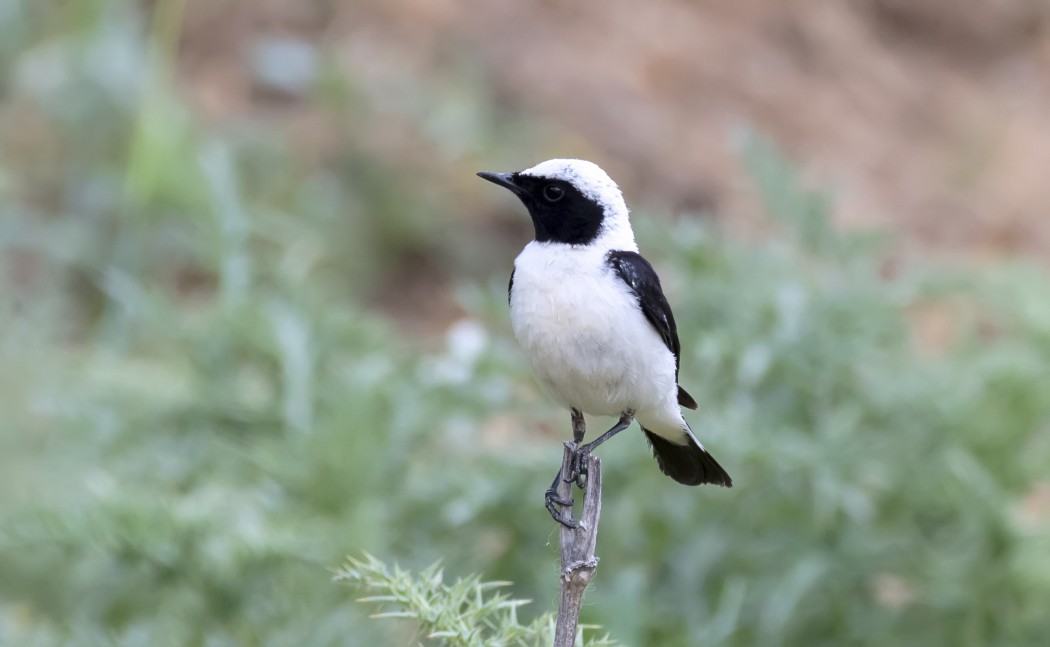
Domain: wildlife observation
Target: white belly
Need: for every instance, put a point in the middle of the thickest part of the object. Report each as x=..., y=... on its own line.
x=589, y=345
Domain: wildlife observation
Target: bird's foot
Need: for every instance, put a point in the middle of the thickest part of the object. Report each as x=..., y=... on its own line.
x=557, y=506
x=578, y=467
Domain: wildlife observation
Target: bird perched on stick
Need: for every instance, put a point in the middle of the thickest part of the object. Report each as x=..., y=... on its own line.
x=592, y=319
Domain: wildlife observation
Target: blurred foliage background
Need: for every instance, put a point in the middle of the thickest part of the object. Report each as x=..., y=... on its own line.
x=252, y=314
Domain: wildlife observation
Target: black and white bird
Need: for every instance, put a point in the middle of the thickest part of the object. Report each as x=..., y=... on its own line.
x=592, y=319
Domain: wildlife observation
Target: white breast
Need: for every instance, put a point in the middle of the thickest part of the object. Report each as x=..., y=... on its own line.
x=584, y=334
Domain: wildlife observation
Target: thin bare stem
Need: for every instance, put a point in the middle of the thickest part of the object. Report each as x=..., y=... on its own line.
x=578, y=561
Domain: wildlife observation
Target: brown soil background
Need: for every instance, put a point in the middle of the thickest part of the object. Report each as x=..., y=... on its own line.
x=928, y=119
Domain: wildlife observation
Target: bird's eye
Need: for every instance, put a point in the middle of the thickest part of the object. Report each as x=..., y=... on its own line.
x=553, y=193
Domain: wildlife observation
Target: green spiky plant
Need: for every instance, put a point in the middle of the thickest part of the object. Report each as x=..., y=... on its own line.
x=464, y=613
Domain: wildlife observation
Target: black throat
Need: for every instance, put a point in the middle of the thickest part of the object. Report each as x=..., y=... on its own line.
x=574, y=219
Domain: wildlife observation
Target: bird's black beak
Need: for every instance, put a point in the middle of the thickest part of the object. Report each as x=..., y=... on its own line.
x=505, y=180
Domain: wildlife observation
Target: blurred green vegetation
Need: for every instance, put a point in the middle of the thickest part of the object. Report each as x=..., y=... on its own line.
x=201, y=417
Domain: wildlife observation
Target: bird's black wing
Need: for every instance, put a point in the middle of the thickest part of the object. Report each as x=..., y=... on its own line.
x=510, y=286
x=640, y=276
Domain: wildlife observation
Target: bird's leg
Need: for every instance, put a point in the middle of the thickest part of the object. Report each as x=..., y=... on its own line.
x=550, y=498
x=579, y=463
x=579, y=430
x=579, y=426
x=623, y=423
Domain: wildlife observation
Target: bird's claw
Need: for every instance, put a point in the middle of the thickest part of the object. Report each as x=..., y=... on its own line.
x=551, y=497
x=578, y=468
x=555, y=506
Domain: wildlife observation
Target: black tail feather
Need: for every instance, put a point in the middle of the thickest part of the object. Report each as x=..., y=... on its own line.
x=688, y=464
x=686, y=400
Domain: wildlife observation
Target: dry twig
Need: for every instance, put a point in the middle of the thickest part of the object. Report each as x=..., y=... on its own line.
x=578, y=561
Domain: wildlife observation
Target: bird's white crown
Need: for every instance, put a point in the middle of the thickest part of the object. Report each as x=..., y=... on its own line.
x=595, y=184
